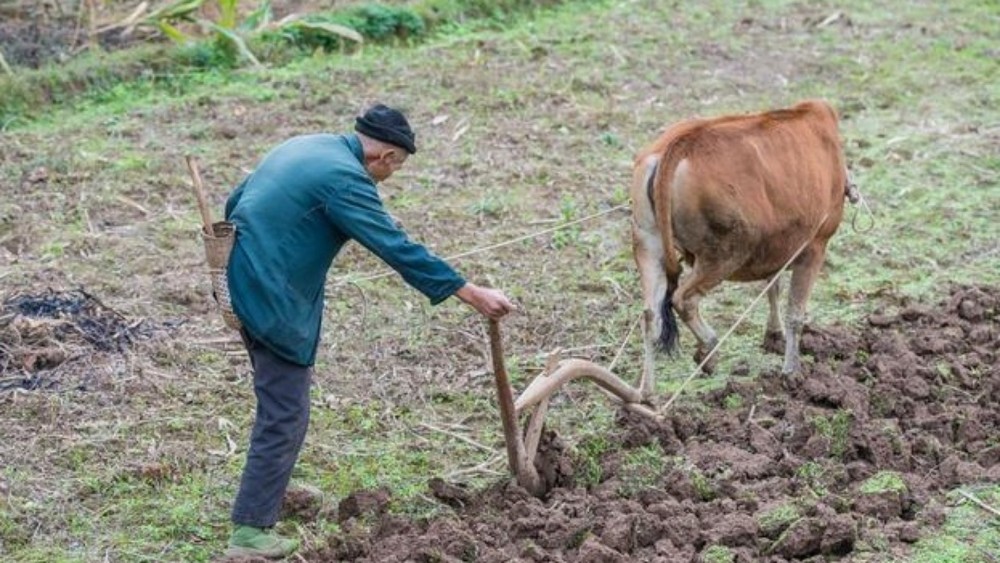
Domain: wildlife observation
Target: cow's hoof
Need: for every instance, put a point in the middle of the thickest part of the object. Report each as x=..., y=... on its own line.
x=774, y=342
x=708, y=367
x=791, y=368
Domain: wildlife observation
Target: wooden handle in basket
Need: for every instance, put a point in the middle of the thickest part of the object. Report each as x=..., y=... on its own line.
x=199, y=192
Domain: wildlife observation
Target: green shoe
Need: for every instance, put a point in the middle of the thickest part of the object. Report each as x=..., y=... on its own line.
x=248, y=541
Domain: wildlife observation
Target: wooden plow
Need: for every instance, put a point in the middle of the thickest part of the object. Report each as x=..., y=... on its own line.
x=522, y=448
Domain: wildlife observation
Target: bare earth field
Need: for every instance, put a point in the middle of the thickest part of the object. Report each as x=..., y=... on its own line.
x=776, y=469
x=125, y=404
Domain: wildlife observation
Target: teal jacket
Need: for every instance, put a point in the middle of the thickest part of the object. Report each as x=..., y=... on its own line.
x=293, y=214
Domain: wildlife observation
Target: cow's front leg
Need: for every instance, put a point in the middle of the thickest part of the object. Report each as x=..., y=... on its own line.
x=804, y=275
x=702, y=352
x=793, y=328
x=774, y=339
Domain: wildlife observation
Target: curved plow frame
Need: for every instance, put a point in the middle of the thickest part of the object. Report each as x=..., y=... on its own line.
x=522, y=448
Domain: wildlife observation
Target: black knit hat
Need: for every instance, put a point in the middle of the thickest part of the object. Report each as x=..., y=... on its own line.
x=388, y=125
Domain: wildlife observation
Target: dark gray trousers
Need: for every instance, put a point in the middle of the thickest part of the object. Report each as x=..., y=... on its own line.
x=282, y=390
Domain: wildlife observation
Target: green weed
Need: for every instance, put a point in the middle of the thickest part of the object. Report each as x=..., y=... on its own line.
x=883, y=481
x=778, y=519
x=641, y=469
x=489, y=206
x=718, y=554
x=589, y=453
x=568, y=211
x=703, y=485
x=815, y=477
x=733, y=401
x=837, y=428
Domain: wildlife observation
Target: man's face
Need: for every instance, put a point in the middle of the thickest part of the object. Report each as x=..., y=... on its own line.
x=385, y=164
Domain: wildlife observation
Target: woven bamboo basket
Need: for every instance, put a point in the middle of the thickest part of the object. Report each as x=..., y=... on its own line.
x=218, y=245
x=218, y=238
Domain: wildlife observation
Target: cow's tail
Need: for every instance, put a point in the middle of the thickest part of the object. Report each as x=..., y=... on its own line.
x=668, y=320
x=659, y=180
x=668, y=328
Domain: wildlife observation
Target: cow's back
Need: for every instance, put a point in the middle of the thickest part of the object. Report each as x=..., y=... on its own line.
x=749, y=190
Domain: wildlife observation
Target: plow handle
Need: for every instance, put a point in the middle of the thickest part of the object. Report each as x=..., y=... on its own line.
x=521, y=466
x=506, y=399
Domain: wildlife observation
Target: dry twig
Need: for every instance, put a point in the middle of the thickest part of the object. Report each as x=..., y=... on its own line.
x=980, y=503
x=458, y=436
x=484, y=467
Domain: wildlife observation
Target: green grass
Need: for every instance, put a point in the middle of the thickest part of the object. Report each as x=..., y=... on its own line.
x=970, y=535
x=717, y=554
x=778, y=518
x=815, y=477
x=702, y=484
x=836, y=428
x=641, y=469
x=589, y=452
x=883, y=482
x=733, y=401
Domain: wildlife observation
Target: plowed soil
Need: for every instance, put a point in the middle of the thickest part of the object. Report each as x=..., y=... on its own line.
x=859, y=448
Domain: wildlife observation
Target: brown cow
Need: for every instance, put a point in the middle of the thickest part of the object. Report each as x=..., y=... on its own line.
x=735, y=197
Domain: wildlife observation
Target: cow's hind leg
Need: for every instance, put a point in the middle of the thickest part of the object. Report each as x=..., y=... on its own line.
x=648, y=252
x=804, y=274
x=686, y=298
x=774, y=339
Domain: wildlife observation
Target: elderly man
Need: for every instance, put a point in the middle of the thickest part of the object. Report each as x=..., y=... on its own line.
x=293, y=214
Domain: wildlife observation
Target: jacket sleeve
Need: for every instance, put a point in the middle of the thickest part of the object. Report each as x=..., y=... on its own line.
x=358, y=212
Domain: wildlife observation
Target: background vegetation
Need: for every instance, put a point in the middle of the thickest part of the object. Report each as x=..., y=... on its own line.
x=176, y=38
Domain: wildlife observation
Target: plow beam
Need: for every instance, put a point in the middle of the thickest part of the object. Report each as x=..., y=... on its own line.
x=545, y=385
